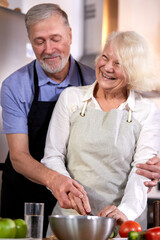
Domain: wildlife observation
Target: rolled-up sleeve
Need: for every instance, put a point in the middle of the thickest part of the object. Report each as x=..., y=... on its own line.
x=14, y=113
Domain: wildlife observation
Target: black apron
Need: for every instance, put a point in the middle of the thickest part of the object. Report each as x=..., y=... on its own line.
x=16, y=189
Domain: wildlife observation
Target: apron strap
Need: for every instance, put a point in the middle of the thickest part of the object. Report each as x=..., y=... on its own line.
x=82, y=113
x=36, y=87
x=129, y=120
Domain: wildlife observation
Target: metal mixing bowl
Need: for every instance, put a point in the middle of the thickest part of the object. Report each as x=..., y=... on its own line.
x=81, y=227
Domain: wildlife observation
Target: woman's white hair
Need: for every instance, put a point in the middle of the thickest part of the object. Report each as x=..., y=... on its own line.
x=136, y=59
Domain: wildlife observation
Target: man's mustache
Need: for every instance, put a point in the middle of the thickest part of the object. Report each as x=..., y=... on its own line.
x=47, y=56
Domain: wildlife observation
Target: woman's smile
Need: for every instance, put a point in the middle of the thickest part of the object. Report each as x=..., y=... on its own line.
x=108, y=77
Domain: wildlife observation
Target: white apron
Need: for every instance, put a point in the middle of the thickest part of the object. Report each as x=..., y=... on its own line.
x=100, y=152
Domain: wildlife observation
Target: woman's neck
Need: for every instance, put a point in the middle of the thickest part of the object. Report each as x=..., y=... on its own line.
x=110, y=99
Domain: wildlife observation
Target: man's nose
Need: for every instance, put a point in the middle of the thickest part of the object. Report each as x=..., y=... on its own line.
x=49, y=47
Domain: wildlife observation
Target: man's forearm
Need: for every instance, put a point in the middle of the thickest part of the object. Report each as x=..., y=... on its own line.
x=30, y=168
x=59, y=184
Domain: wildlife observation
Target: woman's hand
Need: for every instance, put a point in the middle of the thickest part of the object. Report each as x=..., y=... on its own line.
x=81, y=205
x=151, y=170
x=114, y=212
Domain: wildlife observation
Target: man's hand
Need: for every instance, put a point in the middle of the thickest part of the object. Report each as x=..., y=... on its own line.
x=69, y=193
x=81, y=205
x=113, y=212
x=151, y=170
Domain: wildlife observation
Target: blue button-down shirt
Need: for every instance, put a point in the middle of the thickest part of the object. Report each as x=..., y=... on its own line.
x=17, y=93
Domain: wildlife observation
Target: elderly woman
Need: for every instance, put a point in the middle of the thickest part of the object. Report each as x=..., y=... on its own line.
x=98, y=133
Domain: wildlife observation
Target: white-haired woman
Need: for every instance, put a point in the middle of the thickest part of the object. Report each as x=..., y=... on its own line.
x=98, y=133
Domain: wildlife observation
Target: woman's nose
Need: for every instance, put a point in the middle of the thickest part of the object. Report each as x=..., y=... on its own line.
x=109, y=67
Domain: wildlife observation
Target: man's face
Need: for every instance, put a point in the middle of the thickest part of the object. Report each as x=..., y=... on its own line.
x=51, y=40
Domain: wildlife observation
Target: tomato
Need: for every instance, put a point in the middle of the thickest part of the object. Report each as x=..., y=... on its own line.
x=129, y=226
x=153, y=234
x=21, y=228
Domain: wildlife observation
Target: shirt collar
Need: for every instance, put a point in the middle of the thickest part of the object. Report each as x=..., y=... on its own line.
x=43, y=79
x=130, y=102
x=72, y=75
x=89, y=93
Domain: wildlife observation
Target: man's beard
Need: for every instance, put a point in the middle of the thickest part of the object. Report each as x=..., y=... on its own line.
x=53, y=68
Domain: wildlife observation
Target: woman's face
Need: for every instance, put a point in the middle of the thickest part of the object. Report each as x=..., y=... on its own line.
x=109, y=73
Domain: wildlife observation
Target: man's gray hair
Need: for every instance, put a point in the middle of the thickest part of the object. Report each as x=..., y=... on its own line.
x=43, y=11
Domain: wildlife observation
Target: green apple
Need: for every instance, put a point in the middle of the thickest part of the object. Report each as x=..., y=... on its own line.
x=7, y=228
x=21, y=228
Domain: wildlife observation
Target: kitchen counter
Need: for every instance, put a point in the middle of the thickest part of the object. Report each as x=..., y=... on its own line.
x=118, y=238
x=54, y=238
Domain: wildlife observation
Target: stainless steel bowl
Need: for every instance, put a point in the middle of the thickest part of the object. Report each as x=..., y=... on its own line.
x=81, y=227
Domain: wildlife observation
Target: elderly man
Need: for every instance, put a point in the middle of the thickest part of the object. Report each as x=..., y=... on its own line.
x=28, y=97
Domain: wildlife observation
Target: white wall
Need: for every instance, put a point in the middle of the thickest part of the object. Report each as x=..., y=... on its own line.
x=141, y=16
x=93, y=27
x=15, y=4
